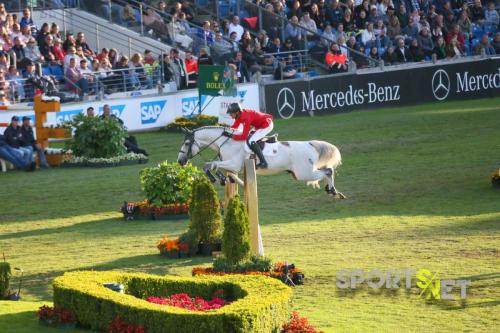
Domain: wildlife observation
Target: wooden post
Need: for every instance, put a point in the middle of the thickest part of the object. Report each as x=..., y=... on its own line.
x=230, y=190
x=252, y=203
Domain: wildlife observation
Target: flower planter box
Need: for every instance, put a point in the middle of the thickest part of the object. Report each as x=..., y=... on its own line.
x=54, y=159
x=173, y=254
x=103, y=164
x=140, y=211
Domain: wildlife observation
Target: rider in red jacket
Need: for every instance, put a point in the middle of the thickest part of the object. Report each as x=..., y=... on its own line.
x=262, y=123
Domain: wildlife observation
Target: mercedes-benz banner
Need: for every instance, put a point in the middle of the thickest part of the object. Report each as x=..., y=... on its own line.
x=327, y=95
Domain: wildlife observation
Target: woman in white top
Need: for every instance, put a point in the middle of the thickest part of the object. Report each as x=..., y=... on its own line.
x=179, y=33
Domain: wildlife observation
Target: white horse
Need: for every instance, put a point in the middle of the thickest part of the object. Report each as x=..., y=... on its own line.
x=309, y=161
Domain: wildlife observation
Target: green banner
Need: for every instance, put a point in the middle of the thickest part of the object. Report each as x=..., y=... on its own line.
x=214, y=80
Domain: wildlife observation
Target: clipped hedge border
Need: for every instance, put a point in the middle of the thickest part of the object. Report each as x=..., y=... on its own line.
x=261, y=304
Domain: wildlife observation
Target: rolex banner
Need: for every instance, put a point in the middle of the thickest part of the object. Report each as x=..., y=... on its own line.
x=215, y=81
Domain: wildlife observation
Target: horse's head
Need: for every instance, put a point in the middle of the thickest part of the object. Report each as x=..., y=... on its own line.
x=189, y=147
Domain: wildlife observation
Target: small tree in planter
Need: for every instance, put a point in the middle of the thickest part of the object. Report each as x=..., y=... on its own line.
x=204, y=214
x=5, y=274
x=236, y=239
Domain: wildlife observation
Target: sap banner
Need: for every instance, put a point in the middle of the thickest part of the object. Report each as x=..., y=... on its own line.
x=143, y=113
x=391, y=88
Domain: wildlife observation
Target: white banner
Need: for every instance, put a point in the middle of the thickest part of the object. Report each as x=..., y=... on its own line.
x=143, y=113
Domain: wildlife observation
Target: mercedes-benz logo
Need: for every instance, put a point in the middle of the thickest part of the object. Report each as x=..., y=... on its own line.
x=285, y=103
x=440, y=84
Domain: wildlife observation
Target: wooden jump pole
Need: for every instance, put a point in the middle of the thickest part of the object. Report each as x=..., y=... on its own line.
x=252, y=204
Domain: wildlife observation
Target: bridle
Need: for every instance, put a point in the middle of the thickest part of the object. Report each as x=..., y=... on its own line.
x=190, y=137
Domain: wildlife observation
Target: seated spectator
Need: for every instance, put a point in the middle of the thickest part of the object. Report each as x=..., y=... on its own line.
x=242, y=72
x=343, y=46
x=455, y=33
x=477, y=12
x=32, y=82
x=14, y=138
x=295, y=10
x=129, y=78
x=276, y=47
x=152, y=20
x=285, y=70
x=328, y=37
x=454, y=50
x=71, y=55
x=491, y=17
x=484, y=45
x=129, y=15
x=383, y=40
x=58, y=51
x=18, y=50
x=425, y=42
x=361, y=20
x=137, y=70
x=180, y=34
x=25, y=34
x=4, y=63
x=368, y=36
x=16, y=84
x=390, y=57
x=268, y=65
x=130, y=142
x=42, y=34
x=80, y=54
x=416, y=53
x=3, y=98
x=378, y=28
x=402, y=15
x=340, y=32
x=88, y=74
x=335, y=13
x=5, y=42
x=309, y=24
x=205, y=36
x=348, y=23
x=46, y=49
x=402, y=51
x=251, y=59
x=221, y=49
x=104, y=54
x=32, y=52
x=14, y=156
x=111, y=11
x=336, y=60
x=293, y=31
x=75, y=79
x=81, y=42
x=204, y=58
x=465, y=23
x=496, y=43
x=113, y=57
x=440, y=49
x=236, y=27
x=29, y=142
x=317, y=17
x=69, y=42
x=54, y=31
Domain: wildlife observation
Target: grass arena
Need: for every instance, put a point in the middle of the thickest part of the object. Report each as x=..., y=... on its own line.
x=417, y=181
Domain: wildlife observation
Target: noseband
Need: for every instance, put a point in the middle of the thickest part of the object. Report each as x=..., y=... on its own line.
x=189, y=153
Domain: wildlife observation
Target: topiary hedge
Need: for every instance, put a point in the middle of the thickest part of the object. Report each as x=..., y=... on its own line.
x=260, y=304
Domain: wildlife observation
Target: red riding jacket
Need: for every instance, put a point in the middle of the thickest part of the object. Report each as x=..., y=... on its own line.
x=250, y=118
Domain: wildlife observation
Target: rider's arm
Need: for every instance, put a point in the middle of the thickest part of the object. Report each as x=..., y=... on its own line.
x=244, y=134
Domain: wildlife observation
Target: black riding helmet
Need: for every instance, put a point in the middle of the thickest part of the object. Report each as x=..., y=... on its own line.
x=233, y=108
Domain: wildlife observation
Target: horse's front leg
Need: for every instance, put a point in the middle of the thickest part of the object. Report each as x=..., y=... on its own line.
x=207, y=167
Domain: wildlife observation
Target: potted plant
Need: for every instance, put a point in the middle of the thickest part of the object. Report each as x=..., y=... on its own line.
x=183, y=249
x=191, y=239
x=204, y=215
x=172, y=248
x=162, y=245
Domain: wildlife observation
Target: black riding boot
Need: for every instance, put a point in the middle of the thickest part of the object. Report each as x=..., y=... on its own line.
x=262, y=161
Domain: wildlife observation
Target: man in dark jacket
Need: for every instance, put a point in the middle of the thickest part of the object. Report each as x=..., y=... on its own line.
x=10, y=155
x=402, y=51
x=241, y=68
x=14, y=138
x=30, y=142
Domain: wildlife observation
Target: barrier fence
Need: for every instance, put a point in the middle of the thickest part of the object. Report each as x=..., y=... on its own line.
x=390, y=88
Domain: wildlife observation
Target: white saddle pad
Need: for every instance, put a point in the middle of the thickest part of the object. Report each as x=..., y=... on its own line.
x=270, y=149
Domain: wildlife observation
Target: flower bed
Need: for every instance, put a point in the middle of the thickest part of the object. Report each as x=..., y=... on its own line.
x=126, y=159
x=143, y=210
x=288, y=274
x=191, y=123
x=184, y=301
x=56, y=317
x=258, y=304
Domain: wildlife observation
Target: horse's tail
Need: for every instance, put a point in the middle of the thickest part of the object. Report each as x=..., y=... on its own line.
x=329, y=155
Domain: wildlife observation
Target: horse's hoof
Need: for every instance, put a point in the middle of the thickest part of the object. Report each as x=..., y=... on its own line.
x=340, y=196
x=223, y=182
x=231, y=179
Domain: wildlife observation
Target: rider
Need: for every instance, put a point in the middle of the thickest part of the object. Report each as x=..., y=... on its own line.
x=261, y=122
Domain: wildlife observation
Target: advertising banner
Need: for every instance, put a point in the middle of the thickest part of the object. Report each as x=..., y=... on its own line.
x=333, y=94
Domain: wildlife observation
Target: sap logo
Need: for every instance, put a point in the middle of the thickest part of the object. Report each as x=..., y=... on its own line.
x=116, y=110
x=67, y=115
x=190, y=105
x=135, y=94
x=150, y=111
x=242, y=94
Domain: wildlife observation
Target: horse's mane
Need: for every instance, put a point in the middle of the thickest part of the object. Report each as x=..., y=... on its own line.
x=209, y=127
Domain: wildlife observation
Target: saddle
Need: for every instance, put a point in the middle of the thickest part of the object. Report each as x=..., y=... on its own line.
x=268, y=145
x=267, y=139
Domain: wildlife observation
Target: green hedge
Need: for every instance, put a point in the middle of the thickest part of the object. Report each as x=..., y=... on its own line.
x=261, y=304
x=5, y=275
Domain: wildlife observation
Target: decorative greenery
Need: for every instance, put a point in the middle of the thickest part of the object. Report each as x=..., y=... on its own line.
x=258, y=304
x=122, y=326
x=254, y=264
x=191, y=239
x=298, y=324
x=55, y=316
x=168, y=183
x=70, y=160
x=236, y=239
x=192, y=122
x=204, y=211
x=5, y=274
x=96, y=137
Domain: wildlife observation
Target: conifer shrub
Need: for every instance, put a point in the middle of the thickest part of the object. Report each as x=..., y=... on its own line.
x=5, y=274
x=236, y=236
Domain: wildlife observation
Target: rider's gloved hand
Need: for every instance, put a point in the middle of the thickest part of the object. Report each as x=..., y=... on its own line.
x=226, y=133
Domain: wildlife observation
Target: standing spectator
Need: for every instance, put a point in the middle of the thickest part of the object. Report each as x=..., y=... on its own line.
x=32, y=80
x=191, y=69
x=76, y=79
x=26, y=20
x=29, y=142
x=236, y=27
x=402, y=51
x=180, y=72
x=14, y=138
x=440, y=49
x=241, y=67
x=484, y=44
x=204, y=58
x=168, y=69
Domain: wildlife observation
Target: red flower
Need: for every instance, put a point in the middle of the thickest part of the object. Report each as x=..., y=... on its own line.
x=186, y=302
x=298, y=325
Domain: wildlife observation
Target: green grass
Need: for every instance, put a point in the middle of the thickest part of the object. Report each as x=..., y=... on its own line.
x=417, y=180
